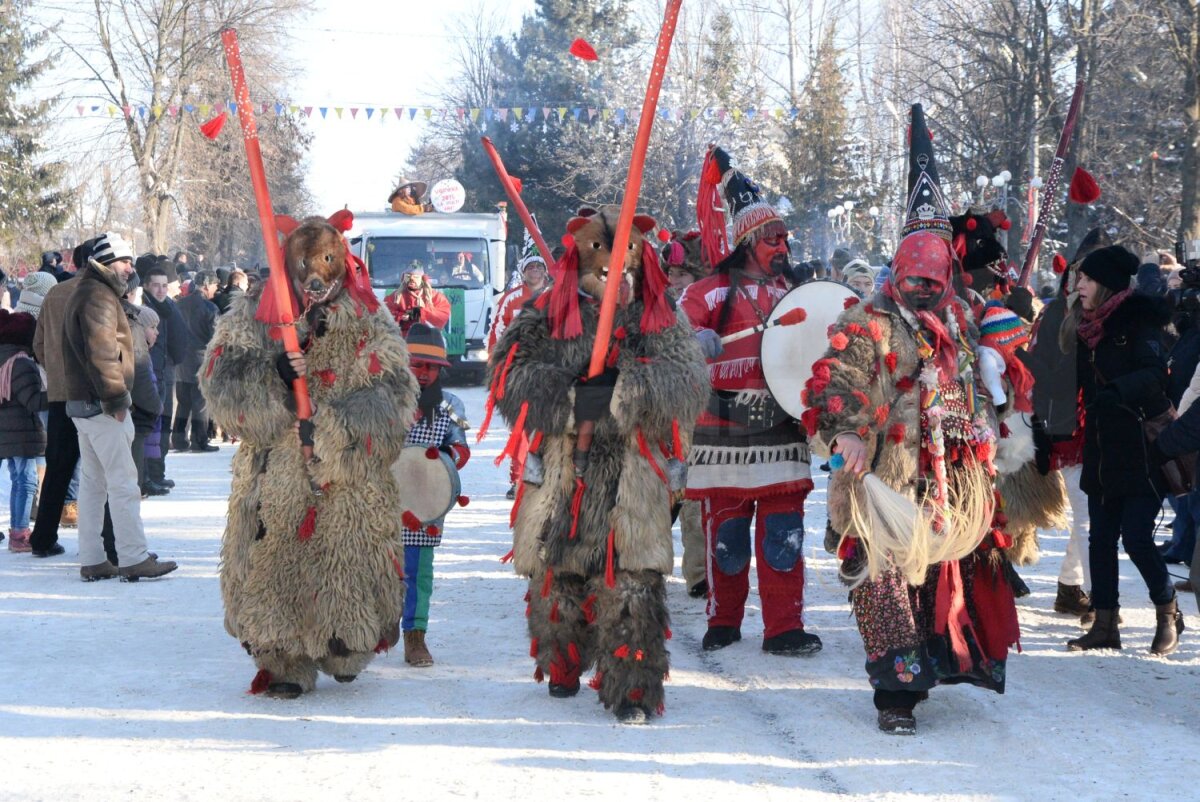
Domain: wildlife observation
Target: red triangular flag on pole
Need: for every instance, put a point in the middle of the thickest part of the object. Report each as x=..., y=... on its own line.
x=212, y=128
x=1084, y=188
x=581, y=49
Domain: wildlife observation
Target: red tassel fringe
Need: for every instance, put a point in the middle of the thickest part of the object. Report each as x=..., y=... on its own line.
x=514, y=437
x=676, y=440
x=610, y=576
x=547, y=582
x=261, y=681
x=308, y=525
x=644, y=447
x=576, y=507
x=589, y=609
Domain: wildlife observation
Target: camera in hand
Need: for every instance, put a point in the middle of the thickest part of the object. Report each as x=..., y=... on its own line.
x=1187, y=253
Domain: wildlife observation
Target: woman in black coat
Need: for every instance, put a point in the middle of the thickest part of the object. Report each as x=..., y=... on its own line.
x=22, y=436
x=1122, y=371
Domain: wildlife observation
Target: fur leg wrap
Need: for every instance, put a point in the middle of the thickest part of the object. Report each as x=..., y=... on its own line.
x=631, y=639
x=350, y=664
x=560, y=638
x=285, y=667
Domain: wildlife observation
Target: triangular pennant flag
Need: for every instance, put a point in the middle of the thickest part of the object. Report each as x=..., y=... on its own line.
x=127, y=111
x=502, y=114
x=412, y=113
x=189, y=108
x=737, y=115
x=80, y=108
x=794, y=112
x=695, y=113
x=399, y=112
x=157, y=110
x=488, y=114
x=721, y=115
x=474, y=115
x=141, y=112
x=383, y=114
x=308, y=111
x=562, y=113
x=604, y=114
x=205, y=108
x=530, y=115
x=516, y=113
x=265, y=107
x=620, y=116
x=172, y=111
x=293, y=109
x=370, y=111
x=95, y=108
x=750, y=114
x=354, y=113
x=112, y=110
x=459, y=111
x=591, y=114
x=233, y=108
x=324, y=111
x=278, y=109
x=576, y=112
x=428, y=112
x=546, y=112
x=338, y=111
x=778, y=114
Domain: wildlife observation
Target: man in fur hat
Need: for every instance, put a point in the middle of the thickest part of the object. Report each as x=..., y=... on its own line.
x=749, y=465
x=592, y=520
x=312, y=571
x=896, y=397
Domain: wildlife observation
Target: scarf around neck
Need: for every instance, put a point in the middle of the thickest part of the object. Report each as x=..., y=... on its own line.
x=1091, y=329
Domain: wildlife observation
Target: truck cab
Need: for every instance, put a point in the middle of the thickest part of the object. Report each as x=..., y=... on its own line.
x=463, y=256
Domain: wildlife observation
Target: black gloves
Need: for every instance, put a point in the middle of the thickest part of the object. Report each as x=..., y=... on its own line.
x=283, y=366
x=413, y=314
x=1020, y=301
x=593, y=396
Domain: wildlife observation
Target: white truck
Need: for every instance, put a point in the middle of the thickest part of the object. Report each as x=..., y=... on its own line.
x=390, y=242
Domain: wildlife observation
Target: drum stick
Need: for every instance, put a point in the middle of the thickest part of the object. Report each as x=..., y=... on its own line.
x=786, y=319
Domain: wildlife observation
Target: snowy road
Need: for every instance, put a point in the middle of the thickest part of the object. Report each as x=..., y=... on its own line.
x=134, y=691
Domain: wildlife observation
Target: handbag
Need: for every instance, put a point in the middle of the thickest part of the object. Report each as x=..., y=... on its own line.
x=1179, y=473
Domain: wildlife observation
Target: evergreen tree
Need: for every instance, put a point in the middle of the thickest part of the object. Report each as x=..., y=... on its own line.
x=33, y=202
x=560, y=164
x=818, y=150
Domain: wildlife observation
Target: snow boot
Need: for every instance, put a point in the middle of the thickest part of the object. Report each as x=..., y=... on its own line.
x=1071, y=600
x=70, y=515
x=415, y=652
x=1104, y=634
x=563, y=691
x=720, y=637
x=897, y=721
x=1168, y=629
x=284, y=690
x=93, y=573
x=792, y=643
x=630, y=713
x=18, y=540
x=149, y=568
x=699, y=590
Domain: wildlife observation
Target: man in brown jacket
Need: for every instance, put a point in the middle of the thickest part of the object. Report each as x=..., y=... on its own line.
x=98, y=363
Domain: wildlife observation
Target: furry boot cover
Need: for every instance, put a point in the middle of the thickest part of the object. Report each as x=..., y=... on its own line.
x=345, y=667
x=560, y=638
x=632, y=626
x=1031, y=502
x=286, y=668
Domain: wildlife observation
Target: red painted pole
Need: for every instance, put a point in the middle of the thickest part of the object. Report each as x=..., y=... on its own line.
x=1050, y=189
x=514, y=196
x=633, y=186
x=278, y=283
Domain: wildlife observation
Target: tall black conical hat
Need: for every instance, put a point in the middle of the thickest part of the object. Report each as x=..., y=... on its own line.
x=927, y=208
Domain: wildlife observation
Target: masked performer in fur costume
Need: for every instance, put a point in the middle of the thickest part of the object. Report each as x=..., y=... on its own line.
x=749, y=466
x=592, y=521
x=313, y=581
x=896, y=396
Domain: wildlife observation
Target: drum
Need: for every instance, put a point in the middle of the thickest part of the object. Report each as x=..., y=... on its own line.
x=429, y=485
x=788, y=352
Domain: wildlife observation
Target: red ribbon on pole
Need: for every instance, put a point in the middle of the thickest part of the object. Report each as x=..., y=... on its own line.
x=1050, y=189
x=633, y=186
x=278, y=284
x=514, y=197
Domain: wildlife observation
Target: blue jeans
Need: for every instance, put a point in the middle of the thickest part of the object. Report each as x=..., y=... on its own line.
x=1183, y=530
x=23, y=471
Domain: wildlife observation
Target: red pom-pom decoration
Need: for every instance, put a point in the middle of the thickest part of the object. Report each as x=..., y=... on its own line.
x=212, y=128
x=463, y=501
x=431, y=453
x=1006, y=225
x=1084, y=188
x=567, y=240
x=972, y=224
x=664, y=235
x=1059, y=262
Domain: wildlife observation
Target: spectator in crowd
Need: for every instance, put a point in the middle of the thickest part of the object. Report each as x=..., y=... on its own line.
x=837, y=264
x=57, y=505
x=145, y=425
x=33, y=292
x=22, y=436
x=235, y=287
x=860, y=277
x=1150, y=280
x=51, y=264
x=1122, y=374
x=169, y=350
x=464, y=269
x=98, y=361
x=200, y=315
x=416, y=301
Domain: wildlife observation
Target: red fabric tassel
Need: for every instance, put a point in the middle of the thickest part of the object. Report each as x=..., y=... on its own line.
x=533, y=647
x=396, y=565
x=502, y=378
x=610, y=576
x=554, y=613
x=410, y=520
x=261, y=681
x=636, y=695
x=644, y=448
x=565, y=323
x=596, y=681
x=710, y=212
x=573, y=653
x=382, y=646
x=368, y=445
x=667, y=633
x=589, y=609
x=514, y=437
x=538, y=676
x=373, y=366
x=488, y=408
x=576, y=507
x=676, y=440
x=997, y=613
x=270, y=313
x=212, y=129
x=951, y=613
x=582, y=50
x=212, y=361
x=507, y=558
x=308, y=525
x=621, y=651
x=547, y=582
x=516, y=507
x=656, y=311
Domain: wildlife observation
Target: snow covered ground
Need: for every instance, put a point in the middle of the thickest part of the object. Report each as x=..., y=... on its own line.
x=135, y=691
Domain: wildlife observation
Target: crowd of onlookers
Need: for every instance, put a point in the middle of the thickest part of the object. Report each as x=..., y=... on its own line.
x=99, y=356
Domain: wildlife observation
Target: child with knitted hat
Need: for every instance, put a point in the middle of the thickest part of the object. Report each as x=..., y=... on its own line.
x=1001, y=333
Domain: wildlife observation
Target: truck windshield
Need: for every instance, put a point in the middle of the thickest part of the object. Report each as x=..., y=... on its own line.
x=458, y=262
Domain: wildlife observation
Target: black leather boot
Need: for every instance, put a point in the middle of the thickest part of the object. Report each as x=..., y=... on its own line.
x=1168, y=629
x=1072, y=600
x=1103, y=634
